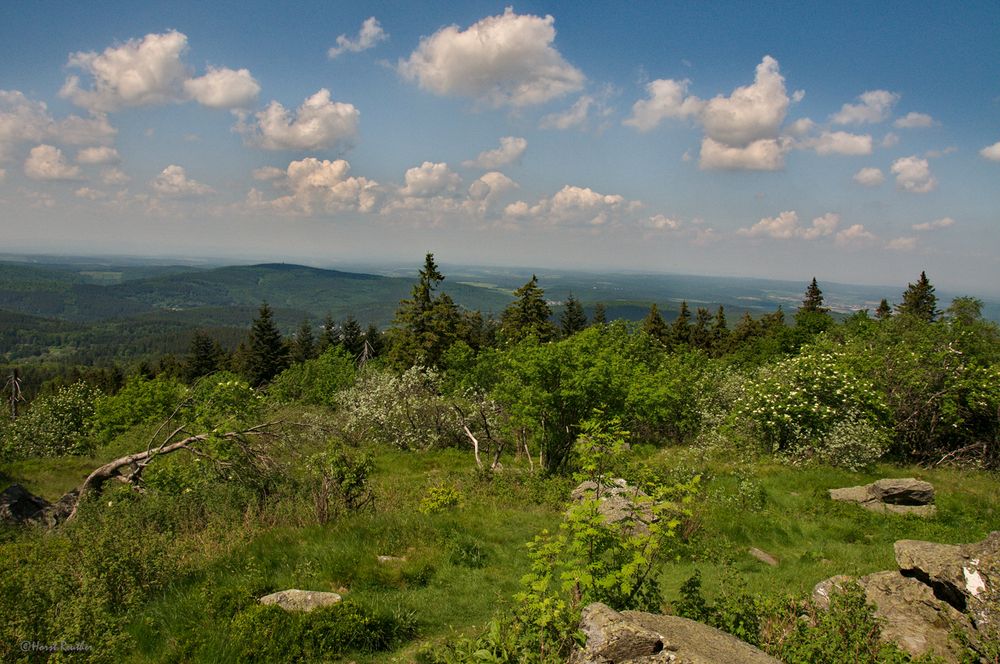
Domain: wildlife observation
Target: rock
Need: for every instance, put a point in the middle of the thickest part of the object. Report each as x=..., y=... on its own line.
x=905, y=491
x=60, y=510
x=763, y=556
x=967, y=576
x=301, y=600
x=822, y=590
x=891, y=496
x=618, y=501
x=633, y=637
x=20, y=506
x=391, y=560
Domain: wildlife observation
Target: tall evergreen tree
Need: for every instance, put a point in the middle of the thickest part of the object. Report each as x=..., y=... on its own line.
x=425, y=325
x=267, y=354
x=304, y=343
x=884, y=311
x=330, y=337
x=813, y=300
x=701, y=335
x=204, y=356
x=681, y=329
x=573, y=319
x=812, y=317
x=719, y=332
x=919, y=300
x=600, y=316
x=351, y=336
x=654, y=325
x=527, y=315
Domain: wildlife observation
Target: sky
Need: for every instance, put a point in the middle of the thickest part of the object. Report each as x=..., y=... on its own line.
x=853, y=142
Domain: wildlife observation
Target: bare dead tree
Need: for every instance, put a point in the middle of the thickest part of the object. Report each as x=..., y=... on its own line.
x=13, y=385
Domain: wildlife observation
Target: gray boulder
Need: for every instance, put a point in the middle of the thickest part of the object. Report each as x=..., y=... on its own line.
x=301, y=600
x=19, y=506
x=618, y=501
x=634, y=637
x=891, y=496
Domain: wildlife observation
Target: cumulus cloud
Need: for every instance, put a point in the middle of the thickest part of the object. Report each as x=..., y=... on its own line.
x=890, y=140
x=573, y=117
x=661, y=222
x=74, y=130
x=318, y=123
x=573, y=205
x=869, y=177
x=47, y=162
x=487, y=191
x=23, y=120
x=875, y=106
x=89, y=194
x=114, y=176
x=855, y=236
x=505, y=60
x=266, y=173
x=371, y=33
x=913, y=174
x=943, y=222
x=430, y=179
x=914, y=121
x=316, y=185
x=173, y=182
x=140, y=72
x=97, y=155
x=511, y=149
x=842, y=142
x=223, y=88
x=786, y=226
x=991, y=152
x=741, y=129
x=902, y=244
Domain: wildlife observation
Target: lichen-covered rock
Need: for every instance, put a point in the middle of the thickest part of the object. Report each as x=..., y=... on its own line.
x=612, y=638
x=301, y=600
x=696, y=643
x=891, y=496
x=618, y=501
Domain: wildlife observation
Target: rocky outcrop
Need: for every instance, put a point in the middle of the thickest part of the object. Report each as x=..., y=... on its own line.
x=634, y=637
x=301, y=600
x=891, y=496
x=939, y=589
x=19, y=506
x=618, y=501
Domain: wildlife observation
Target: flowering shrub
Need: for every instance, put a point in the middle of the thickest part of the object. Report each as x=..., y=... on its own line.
x=55, y=424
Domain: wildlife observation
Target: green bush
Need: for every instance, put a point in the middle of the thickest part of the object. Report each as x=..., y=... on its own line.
x=54, y=425
x=141, y=400
x=439, y=498
x=316, y=382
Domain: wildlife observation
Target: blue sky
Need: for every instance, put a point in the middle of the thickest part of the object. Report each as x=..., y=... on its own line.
x=854, y=142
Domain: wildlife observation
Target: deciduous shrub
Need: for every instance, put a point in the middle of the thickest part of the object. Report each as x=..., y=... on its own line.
x=54, y=425
x=141, y=400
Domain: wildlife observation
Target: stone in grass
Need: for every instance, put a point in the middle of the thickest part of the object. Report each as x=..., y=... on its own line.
x=763, y=556
x=301, y=600
x=891, y=496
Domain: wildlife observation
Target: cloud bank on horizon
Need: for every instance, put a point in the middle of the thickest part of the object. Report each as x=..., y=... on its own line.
x=503, y=139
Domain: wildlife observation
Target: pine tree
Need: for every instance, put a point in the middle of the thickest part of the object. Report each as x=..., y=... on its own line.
x=351, y=336
x=654, y=325
x=719, y=332
x=527, y=315
x=919, y=300
x=813, y=300
x=572, y=319
x=600, y=316
x=701, y=336
x=266, y=352
x=204, y=356
x=304, y=343
x=330, y=337
x=681, y=329
x=884, y=311
x=425, y=325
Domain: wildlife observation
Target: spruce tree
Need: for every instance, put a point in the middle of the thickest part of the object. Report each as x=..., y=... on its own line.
x=701, y=336
x=812, y=317
x=204, y=356
x=527, y=315
x=572, y=319
x=919, y=300
x=304, y=343
x=681, y=330
x=884, y=311
x=266, y=352
x=600, y=316
x=351, y=336
x=330, y=337
x=813, y=300
x=654, y=325
x=425, y=325
x=720, y=332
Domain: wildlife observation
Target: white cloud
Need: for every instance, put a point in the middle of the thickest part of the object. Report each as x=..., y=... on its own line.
x=319, y=186
x=140, y=72
x=751, y=112
x=573, y=205
x=943, y=222
x=991, y=152
x=74, y=130
x=763, y=155
x=371, y=33
x=667, y=98
x=511, y=149
x=505, y=60
x=266, y=173
x=935, y=154
x=89, y=194
x=875, y=107
x=842, y=142
x=902, y=244
x=856, y=235
x=114, y=176
x=223, y=88
x=318, y=123
x=46, y=162
x=786, y=226
x=913, y=174
x=800, y=127
x=486, y=192
x=175, y=183
x=869, y=177
x=430, y=179
x=661, y=222
x=890, y=140
x=25, y=121
x=914, y=121
x=573, y=117
x=97, y=155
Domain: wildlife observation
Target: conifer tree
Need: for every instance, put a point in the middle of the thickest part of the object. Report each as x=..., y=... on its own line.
x=919, y=300
x=372, y=342
x=204, y=356
x=681, y=329
x=884, y=311
x=527, y=315
x=351, y=336
x=304, y=343
x=701, y=336
x=812, y=317
x=813, y=300
x=425, y=325
x=329, y=337
x=719, y=331
x=654, y=325
x=573, y=319
x=266, y=354
x=600, y=316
